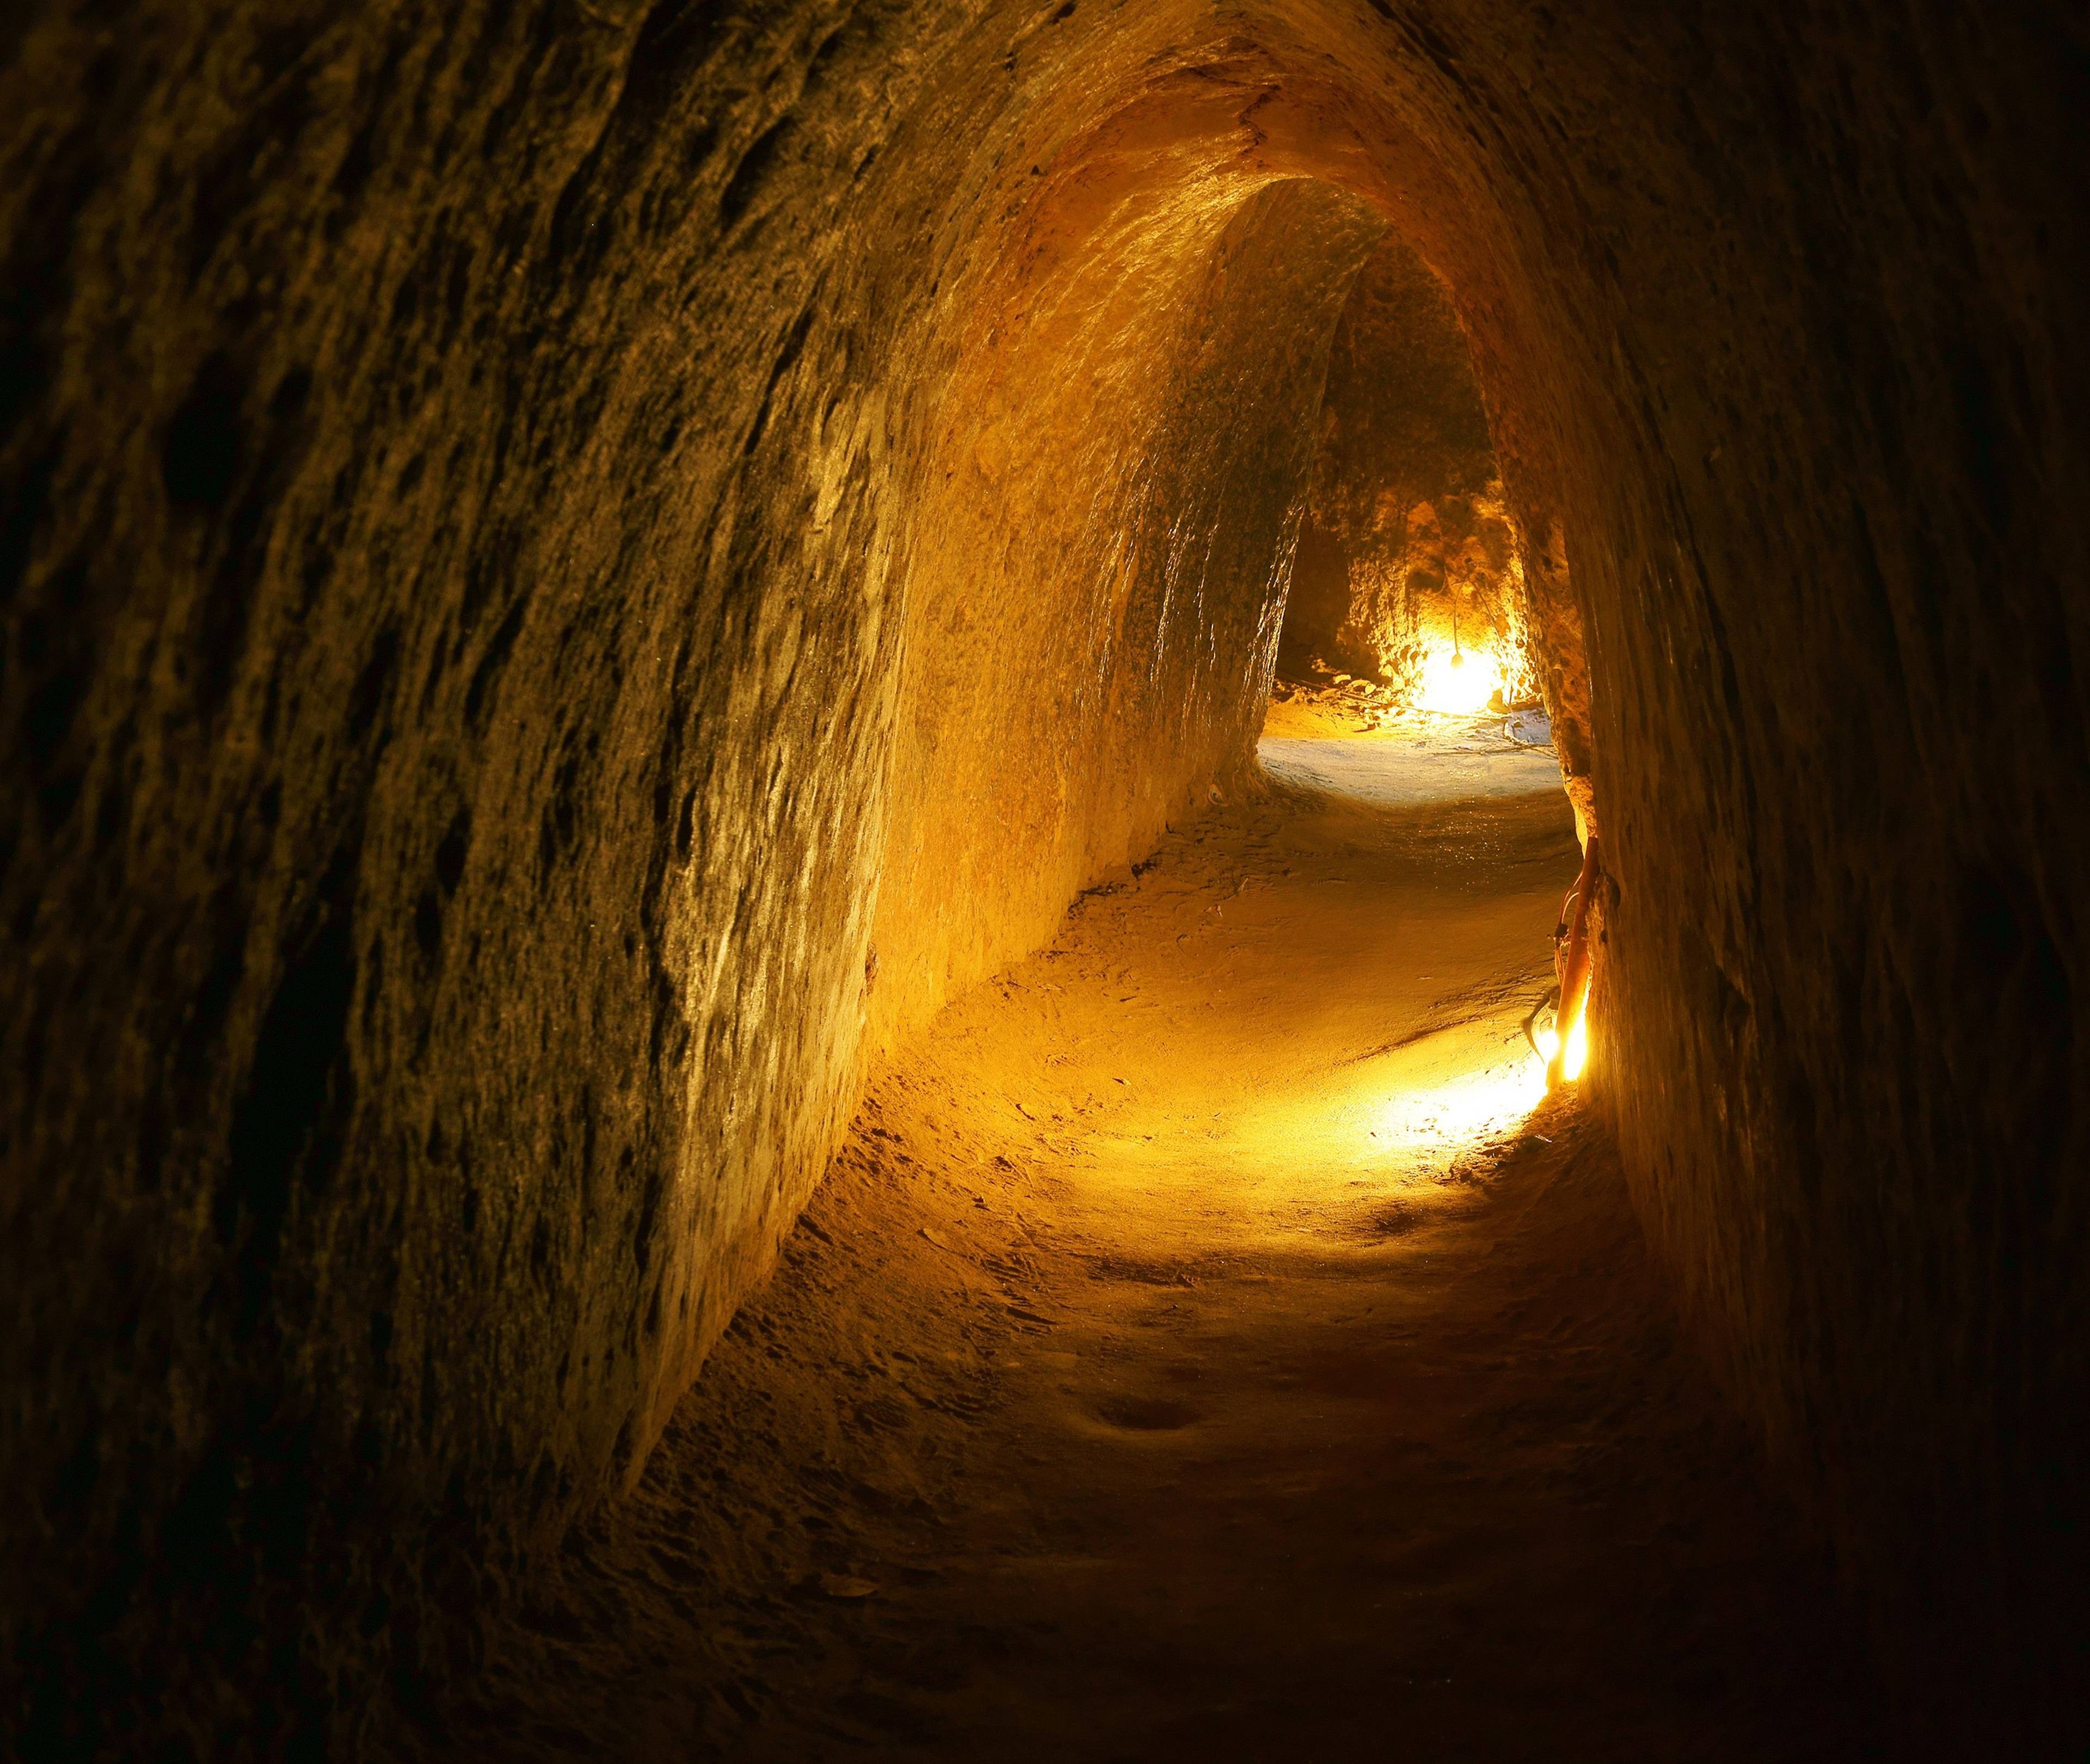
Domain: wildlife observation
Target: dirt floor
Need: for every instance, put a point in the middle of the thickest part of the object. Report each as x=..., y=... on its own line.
x=1212, y=1345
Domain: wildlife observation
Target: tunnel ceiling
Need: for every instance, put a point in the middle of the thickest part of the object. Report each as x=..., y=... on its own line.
x=573, y=570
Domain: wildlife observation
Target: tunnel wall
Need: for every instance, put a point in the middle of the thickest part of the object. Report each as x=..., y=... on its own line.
x=462, y=468
x=440, y=527
x=1104, y=545
x=1840, y=753
x=485, y=554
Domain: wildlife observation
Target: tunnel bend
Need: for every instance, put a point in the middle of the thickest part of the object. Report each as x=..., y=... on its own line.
x=1147, y=214
x=468, y=537
x=1088, y=639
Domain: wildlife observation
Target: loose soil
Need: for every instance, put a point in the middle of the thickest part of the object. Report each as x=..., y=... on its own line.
x=1211, y=1345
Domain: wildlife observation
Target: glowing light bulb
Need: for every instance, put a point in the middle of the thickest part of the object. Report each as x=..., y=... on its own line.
x=1548, y=1042
x=1459, y=683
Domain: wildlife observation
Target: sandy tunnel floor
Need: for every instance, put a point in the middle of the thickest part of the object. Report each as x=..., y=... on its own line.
x=1210, y=1345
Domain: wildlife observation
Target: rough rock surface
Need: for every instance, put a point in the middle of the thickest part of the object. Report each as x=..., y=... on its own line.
x=477, y=483
x=1102, y=549
x=1407, y=544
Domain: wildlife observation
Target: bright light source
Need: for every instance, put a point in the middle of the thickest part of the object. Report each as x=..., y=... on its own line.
x=1459, y=683
x=1548, y=1039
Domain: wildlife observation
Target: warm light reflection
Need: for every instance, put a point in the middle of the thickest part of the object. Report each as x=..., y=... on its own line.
x=1459, y=683
x=1474, y=1105
x=1578, y=1047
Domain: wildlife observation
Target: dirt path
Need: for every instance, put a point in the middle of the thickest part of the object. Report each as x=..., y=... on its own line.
x=1202, y=1350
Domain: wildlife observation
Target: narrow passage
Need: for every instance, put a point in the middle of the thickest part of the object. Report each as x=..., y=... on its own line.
x=1212, y=1344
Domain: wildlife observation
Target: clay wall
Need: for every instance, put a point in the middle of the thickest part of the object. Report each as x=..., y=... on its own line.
x=507, y=537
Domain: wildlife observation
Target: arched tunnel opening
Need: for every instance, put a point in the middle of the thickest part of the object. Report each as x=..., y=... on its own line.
x=1407, y=582
x=1041, y=880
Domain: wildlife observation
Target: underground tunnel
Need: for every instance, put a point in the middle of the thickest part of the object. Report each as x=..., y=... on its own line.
x=1177, y=878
